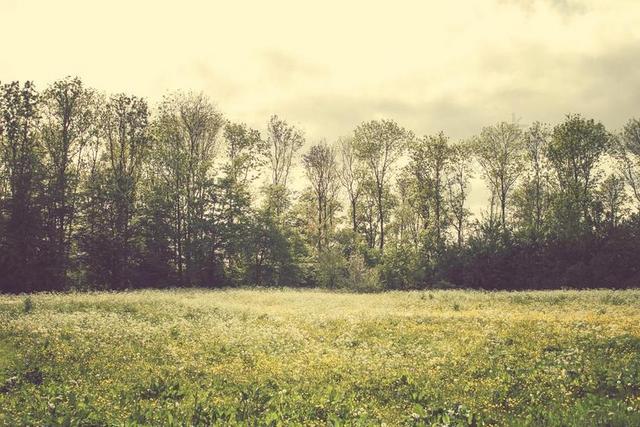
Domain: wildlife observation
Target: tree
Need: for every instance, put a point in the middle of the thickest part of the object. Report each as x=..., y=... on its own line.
x=321, y=169
x=368, y=219
x=69, y=122
x=430, y=166
x=350, y=177
x=458, y=189
x=533, y=198
x=499, y=150
x=21, y=243
x=627, y=151
x=187, y=133
x=274, y=251
x=284, y=140
x=125, y=127
x=612, y=198
x=379, y=144
x=246, y=151
x=574, y=151
x=408, y=221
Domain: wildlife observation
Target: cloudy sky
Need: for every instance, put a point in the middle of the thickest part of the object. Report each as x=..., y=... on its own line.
x=329, y=65
x=325, y=65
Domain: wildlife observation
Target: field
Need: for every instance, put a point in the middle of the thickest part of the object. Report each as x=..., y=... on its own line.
x=288, y=357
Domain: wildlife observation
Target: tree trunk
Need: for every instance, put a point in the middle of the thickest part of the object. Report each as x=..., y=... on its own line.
x=381, y=219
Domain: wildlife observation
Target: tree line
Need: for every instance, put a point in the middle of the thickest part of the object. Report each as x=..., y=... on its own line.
x=101, y=192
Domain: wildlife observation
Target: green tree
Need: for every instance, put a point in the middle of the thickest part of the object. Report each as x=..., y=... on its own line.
x=246, y=152
x=499, y=151
x=284, y=141
x=532, y=199
x=458, y=189
x=187, y=135
x=612, y=199
x=321, y=169
x=69, y=123
x=351, y=177
x=379, y=144
x=21, y=243
x=627, y=151
x=430, y=167
x=125, y=129
x=575, y=151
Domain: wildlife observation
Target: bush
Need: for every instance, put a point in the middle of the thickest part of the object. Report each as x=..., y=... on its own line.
x=399, y=268
x=331, y=268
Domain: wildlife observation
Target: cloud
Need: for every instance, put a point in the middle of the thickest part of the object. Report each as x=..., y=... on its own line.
x=285, y=68
x=612, y=84
x=215, y=83
x=566, y=8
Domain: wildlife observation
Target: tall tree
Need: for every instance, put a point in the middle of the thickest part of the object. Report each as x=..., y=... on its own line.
x=612, y=199
x=367, y=208
x=407, y=213
x=21, y=260
x=533, y=197
x=430, y=166
x=351, y=177
x=69, y=122
x=628, y=153
x=187, y=134
x=246, y=152
x=285, y=141
x=458, y=189
x=499, y=150
x=125, y=127
x=379, y=144
x=575, y=152
x=321, y=169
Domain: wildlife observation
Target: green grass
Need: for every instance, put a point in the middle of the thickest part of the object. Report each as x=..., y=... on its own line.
x=288, y=357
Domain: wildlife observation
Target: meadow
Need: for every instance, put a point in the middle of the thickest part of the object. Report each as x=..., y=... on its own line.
x=310, y=357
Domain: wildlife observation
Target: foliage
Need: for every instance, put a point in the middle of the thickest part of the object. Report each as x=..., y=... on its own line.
x=108, y=192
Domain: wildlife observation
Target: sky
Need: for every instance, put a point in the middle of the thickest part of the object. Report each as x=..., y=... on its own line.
x=326, y=66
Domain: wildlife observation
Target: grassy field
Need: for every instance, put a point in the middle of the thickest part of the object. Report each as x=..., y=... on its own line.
x=287, y=357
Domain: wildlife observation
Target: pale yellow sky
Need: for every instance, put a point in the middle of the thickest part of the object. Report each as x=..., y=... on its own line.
x=328, y=65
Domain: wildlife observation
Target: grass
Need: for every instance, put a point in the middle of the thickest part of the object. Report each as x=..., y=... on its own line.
x=290, y=357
